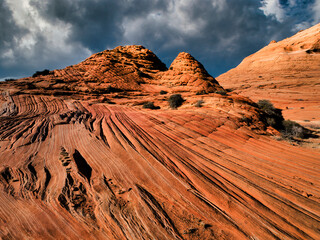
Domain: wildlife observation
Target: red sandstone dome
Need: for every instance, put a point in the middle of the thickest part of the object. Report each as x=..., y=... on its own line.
x=125, y=68
x=187, y=71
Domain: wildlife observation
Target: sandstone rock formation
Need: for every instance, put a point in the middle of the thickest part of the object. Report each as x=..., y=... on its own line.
x=96, y=165
x=125, y=68
x=186, y=71
x=286, y=72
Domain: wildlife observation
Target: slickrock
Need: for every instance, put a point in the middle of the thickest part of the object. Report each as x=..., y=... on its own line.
x=286, y=72
x=185, y=70
x=125, y=68
x=100, y=166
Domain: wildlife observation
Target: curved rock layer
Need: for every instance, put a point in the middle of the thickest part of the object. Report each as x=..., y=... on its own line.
x=125, y=68
x=74, y=170
x=186, y=71
x=285, y=72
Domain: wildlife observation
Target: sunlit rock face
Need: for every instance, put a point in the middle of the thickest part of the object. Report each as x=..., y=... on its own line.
x=286, y=72
x=188, y=72
x=80, y=158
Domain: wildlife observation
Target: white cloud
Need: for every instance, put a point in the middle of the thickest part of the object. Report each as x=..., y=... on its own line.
x=301, y=26
x=273, y=8
x=316, y=11
x=176, y=19
x=43, y=40
x=219, y=4
x=292, y=3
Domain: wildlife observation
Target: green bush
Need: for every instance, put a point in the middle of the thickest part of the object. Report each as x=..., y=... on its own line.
x=272, y=116
x=175, y=101
x=266, y=106
x=150, y=105
x=162, y=92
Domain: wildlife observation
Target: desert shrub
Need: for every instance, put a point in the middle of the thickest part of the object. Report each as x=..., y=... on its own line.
x=41, y=73
x=271, y=121
x=175, y=101
x=272, y=116
x=202, y=92
x=293, y=129
x=9, y=79
x=150, y=105
x=199, y=103
x=246, y=120
x=265, y=104
x=314, y=126
x=162, y=92
x=221, y=92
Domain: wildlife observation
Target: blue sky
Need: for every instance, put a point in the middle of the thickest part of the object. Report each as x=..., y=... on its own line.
x=51, y=34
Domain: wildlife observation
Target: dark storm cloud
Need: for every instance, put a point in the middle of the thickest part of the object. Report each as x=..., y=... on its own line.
x=96, y=24
x=8, y=32
x=7, y=26
x=92, y=24
x=220, y=33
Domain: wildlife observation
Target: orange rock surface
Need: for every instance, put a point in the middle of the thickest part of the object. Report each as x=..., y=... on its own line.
x=128, y=68
x=185, y=71
x=78, y=163
x=285, y=72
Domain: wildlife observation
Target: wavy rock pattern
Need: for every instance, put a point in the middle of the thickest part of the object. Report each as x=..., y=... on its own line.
x=125, y=68
x=286, y=72
x=74, y=170
x=185, y=71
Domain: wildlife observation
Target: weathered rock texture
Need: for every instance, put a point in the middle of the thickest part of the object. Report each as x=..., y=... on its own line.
x=285, y=72
x=76, y=167
x=186, y=71
x=126, y=68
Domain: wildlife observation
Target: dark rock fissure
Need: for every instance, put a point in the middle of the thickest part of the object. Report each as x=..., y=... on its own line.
x=82, y=165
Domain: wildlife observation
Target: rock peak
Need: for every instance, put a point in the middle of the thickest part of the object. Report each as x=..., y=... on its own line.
x=138, y=47
x=185, y=70
x=185, y=55
x=184, y=62
x=124, y=68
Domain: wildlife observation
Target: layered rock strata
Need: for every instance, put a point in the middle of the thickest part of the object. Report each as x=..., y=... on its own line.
x=286, y=72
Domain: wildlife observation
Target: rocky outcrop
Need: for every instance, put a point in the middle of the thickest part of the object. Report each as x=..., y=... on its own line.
x=286, y=72
x=81, y=160
x=120, y=69
x=186, y=71
x=125, y=68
